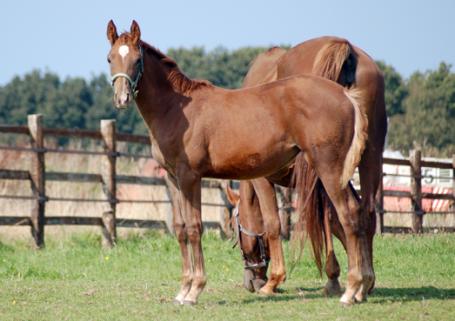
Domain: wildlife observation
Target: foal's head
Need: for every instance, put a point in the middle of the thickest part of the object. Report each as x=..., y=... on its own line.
x=126, y=63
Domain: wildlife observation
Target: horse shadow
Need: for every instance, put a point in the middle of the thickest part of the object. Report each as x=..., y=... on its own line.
x=380, y=295
x=408, y=294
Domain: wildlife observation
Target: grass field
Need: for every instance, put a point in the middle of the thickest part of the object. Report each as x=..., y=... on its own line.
x=75, y=279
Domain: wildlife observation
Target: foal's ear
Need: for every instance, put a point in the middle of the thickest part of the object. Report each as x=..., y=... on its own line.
x=232, y=196
x=112, y=35
x=135, y=32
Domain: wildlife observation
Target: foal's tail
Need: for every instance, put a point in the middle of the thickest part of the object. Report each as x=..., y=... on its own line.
x=358, y=140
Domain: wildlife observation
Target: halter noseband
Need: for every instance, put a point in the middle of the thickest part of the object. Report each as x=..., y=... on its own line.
x=139, y=72
x=259, y=238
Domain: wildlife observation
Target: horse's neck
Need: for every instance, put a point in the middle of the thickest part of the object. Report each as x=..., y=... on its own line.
x=156, y=94
x=161, y=105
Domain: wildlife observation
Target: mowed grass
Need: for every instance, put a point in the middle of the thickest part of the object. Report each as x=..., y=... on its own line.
x=75, y=279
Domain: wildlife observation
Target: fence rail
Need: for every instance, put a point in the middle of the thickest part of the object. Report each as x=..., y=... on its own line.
x=108, y=177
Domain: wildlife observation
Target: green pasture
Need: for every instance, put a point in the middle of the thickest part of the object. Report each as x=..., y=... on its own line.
x=75, y=279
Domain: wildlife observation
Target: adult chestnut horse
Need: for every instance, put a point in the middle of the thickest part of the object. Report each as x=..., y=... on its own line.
x=199, y=130
x=338, y=60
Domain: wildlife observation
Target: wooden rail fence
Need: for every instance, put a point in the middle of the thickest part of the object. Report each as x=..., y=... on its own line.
x=416, y=163
x=37, y=175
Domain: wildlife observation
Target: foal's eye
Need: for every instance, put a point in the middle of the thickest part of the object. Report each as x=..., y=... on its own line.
x=108, y=59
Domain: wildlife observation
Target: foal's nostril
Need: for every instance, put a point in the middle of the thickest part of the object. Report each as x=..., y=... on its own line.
x=124, y=98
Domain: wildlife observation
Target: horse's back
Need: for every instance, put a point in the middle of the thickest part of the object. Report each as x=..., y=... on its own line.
x=263, y=67
x=367, y=77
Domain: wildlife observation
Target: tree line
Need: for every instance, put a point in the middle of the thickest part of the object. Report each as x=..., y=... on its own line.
x=421, y=109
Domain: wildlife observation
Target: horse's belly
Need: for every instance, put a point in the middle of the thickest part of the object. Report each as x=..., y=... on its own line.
x=247, y=165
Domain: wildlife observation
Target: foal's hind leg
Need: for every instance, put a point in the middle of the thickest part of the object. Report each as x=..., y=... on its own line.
x=332, y=268
x=360, y=273
x=267, y=199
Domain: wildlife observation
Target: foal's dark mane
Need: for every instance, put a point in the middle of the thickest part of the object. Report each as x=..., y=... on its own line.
x=176, y=77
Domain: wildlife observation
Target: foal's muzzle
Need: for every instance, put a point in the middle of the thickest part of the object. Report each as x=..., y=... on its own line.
x=122, y=93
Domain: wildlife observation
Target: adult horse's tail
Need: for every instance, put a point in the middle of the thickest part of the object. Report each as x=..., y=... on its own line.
x=336, y=61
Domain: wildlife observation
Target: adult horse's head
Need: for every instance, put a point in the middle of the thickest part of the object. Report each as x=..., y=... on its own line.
x=126, y=62
x=253, y=246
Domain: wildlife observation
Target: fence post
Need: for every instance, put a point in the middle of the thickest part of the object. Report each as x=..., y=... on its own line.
x=453, y=180
x=380, y=205
x=416, y=190
x=108, y=172
x=37, y=178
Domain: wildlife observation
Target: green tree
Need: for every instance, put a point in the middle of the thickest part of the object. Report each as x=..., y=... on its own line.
x=395, y=89
x=220, y=66
x=428, y=121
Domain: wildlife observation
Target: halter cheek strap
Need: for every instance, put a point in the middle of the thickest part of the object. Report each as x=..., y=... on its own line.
x=259, y=238
x=133, y=83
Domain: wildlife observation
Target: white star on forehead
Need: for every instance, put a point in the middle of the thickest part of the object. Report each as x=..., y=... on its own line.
x=123, y=50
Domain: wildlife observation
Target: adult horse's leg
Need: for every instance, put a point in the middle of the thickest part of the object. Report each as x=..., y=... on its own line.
x=360, y=273
x=190, y=204
x=182, y=238
x=285, y=211
x=370, y=166
x=370, y=169
x=267, y=200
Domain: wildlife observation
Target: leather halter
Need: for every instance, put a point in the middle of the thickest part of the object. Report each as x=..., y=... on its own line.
x=139, y=72
x=259, y=238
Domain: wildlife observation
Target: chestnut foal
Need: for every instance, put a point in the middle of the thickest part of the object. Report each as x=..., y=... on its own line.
x=198, y=130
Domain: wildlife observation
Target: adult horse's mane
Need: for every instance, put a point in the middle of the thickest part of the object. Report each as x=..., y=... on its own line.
x=176, y=77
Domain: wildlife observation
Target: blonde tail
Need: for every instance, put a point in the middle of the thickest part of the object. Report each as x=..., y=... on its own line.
x=358, y=140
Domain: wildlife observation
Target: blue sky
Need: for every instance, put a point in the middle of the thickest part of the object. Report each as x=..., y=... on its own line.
x=70, y=37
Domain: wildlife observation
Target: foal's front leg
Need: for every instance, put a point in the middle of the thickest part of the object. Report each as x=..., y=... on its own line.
x=182, y=238
x=190, y=200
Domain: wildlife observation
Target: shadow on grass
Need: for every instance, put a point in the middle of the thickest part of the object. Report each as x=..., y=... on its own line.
x=412, y=294
x=380, y=295
x=284, y=295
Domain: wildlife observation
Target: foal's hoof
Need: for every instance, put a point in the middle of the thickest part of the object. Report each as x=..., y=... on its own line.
x=189, y=302
x=266, y=291
x=346, y=302
x=360, y=296
x=258, y=284
x=177, y=301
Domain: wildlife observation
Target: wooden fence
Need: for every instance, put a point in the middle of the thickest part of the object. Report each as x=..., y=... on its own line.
x=108, y=177
x=416, y=163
